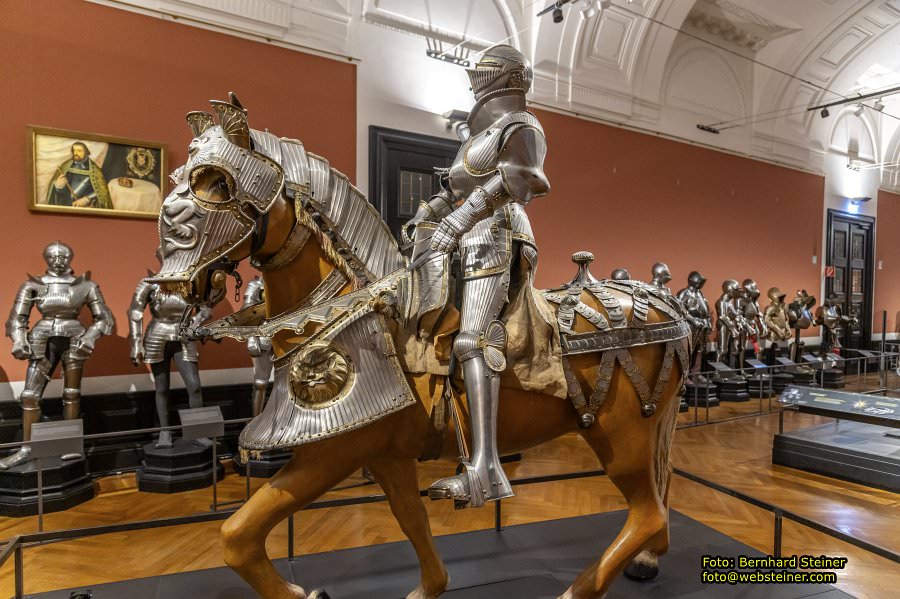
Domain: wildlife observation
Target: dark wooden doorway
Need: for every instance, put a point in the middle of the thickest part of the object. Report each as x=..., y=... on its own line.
x=850, y=249
x=401, y=171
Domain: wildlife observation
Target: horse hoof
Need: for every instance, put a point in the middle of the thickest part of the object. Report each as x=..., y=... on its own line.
x=318, y=594
x=637, y=570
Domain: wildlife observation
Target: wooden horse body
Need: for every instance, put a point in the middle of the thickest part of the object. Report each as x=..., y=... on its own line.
x=626, y=347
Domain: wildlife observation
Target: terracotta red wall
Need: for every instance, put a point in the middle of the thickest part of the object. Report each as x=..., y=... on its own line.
x=887, y=251
x=84, y=67
x=635, y=199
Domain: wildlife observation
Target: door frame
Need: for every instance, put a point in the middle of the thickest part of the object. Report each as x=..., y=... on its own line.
x=869, y=283
x=384, y=139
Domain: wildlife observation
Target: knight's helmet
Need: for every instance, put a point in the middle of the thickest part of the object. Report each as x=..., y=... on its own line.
x=620, y=274
x=500, y=67
x=58, y=251
x=696, y=280
x=751, y=288
x=776, y=295
x=661, y=273
x=730, y=286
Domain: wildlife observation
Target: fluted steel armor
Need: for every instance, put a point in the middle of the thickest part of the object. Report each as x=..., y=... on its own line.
x=260, y=348
x=496, y=173
x=728, y=320
x=776, y=317
x=697, y=313
x=59, y=336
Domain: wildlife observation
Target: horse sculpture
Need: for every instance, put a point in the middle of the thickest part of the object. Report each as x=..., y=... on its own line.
x=341, y=309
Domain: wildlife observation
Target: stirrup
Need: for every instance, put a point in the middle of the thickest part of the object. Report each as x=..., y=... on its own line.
x=458, y=487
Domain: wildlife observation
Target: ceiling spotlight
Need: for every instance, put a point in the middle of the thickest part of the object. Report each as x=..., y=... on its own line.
x=859, y=109
x=557, y=15
x=825, y=113
x=878, y=105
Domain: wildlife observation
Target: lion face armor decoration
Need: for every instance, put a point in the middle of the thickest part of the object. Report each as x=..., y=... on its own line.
x=318, y=375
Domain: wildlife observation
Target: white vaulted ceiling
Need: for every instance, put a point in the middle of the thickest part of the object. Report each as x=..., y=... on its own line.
x=753, y=66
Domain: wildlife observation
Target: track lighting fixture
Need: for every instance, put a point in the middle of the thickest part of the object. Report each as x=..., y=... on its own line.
x=859, y=109
x=825, y=113
x=878, y=105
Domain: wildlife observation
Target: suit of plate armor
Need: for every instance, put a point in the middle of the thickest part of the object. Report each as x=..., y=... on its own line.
x=57, y=337
x=661, y=276
x=754, y=328
x=696, y=309
x=163, y=343
x=830, y=317
x=260, y=348
x=776, y=317
x=497, y=171
x=727, y=320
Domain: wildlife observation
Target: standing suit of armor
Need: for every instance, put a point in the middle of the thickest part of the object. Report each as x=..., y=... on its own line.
x=830, y=317
x=496, y=173
x=776, y=317
x=661, y=276
x=728, y=322
x=57, y=337
x=260, y=348
x=748, y=305
x=800, y=317
x=163, y=343
x=696, y=309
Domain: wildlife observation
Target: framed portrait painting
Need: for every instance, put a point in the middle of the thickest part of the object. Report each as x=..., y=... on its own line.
x=85, y=173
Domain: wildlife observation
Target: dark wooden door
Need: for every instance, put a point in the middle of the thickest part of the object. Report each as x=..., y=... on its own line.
x=401, y=171
x=851, y=253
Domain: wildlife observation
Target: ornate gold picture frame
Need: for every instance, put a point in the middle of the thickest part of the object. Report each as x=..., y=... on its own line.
x=99, y=175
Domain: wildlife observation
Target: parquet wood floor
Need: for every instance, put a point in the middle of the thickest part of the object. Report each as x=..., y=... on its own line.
x=736, y=454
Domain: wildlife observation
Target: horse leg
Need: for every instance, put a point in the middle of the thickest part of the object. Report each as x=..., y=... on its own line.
x=645, y=565
x=631, y=467
x=313, y=470
x=397, y=476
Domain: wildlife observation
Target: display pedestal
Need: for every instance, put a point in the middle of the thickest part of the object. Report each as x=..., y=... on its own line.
x=66, y=484
x=759, y=385
x=834, y=379
x=781, y=380
x=806, y=377
x=733, y=389
x=265, y=467
x=700, y=391
x=185, y=466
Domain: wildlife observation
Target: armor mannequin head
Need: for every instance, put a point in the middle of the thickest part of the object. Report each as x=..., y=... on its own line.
x=751, y=288
x=731, y=288
x=620, y=274
x=500, y=67
x=58, y=257
x=696, y=280
x=661, y=274
x=776, y=295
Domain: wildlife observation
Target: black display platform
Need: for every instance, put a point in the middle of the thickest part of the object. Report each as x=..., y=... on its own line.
x=855, y=451
x=702, y=392
x=531, y=561
x=264, y=467
x=185, y=466
x=733, y=389
x=780, y=381
x=66, y=484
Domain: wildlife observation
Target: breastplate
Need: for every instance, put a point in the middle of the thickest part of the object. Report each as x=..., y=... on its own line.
x=477, y=159
x=167, y=308
x=694, y=301
x=60, y=299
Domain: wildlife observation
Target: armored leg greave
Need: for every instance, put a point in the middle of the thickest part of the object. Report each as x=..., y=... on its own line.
x=72, y=371
x=35, y=381
x=481, y=354
x=262, y=368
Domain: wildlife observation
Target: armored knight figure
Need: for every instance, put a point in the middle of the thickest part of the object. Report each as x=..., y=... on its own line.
x=800, y=317
x=260, y=348
x=696, y=309
x=496, y=173
x=830, y=317
x=776, y=317
x=748, y=303
x=164, y=343
x=728, y=322
x=59, y=296
x=661, y=276
x=620, y=274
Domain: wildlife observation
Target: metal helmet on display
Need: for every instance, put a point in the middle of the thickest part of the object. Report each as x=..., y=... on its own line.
x=58, y=256
x=730, y=286
x=500, y=67
x=751, y=287
x=696, y=280
x=776, y=295
x=620, y=274
x=661, y=273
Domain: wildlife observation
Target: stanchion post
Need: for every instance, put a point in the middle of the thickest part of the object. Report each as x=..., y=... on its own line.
x=215, y=483
x=40, y=485
x=498, y=515
x=776, y=550
x=20, y=573
x=291, y=538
